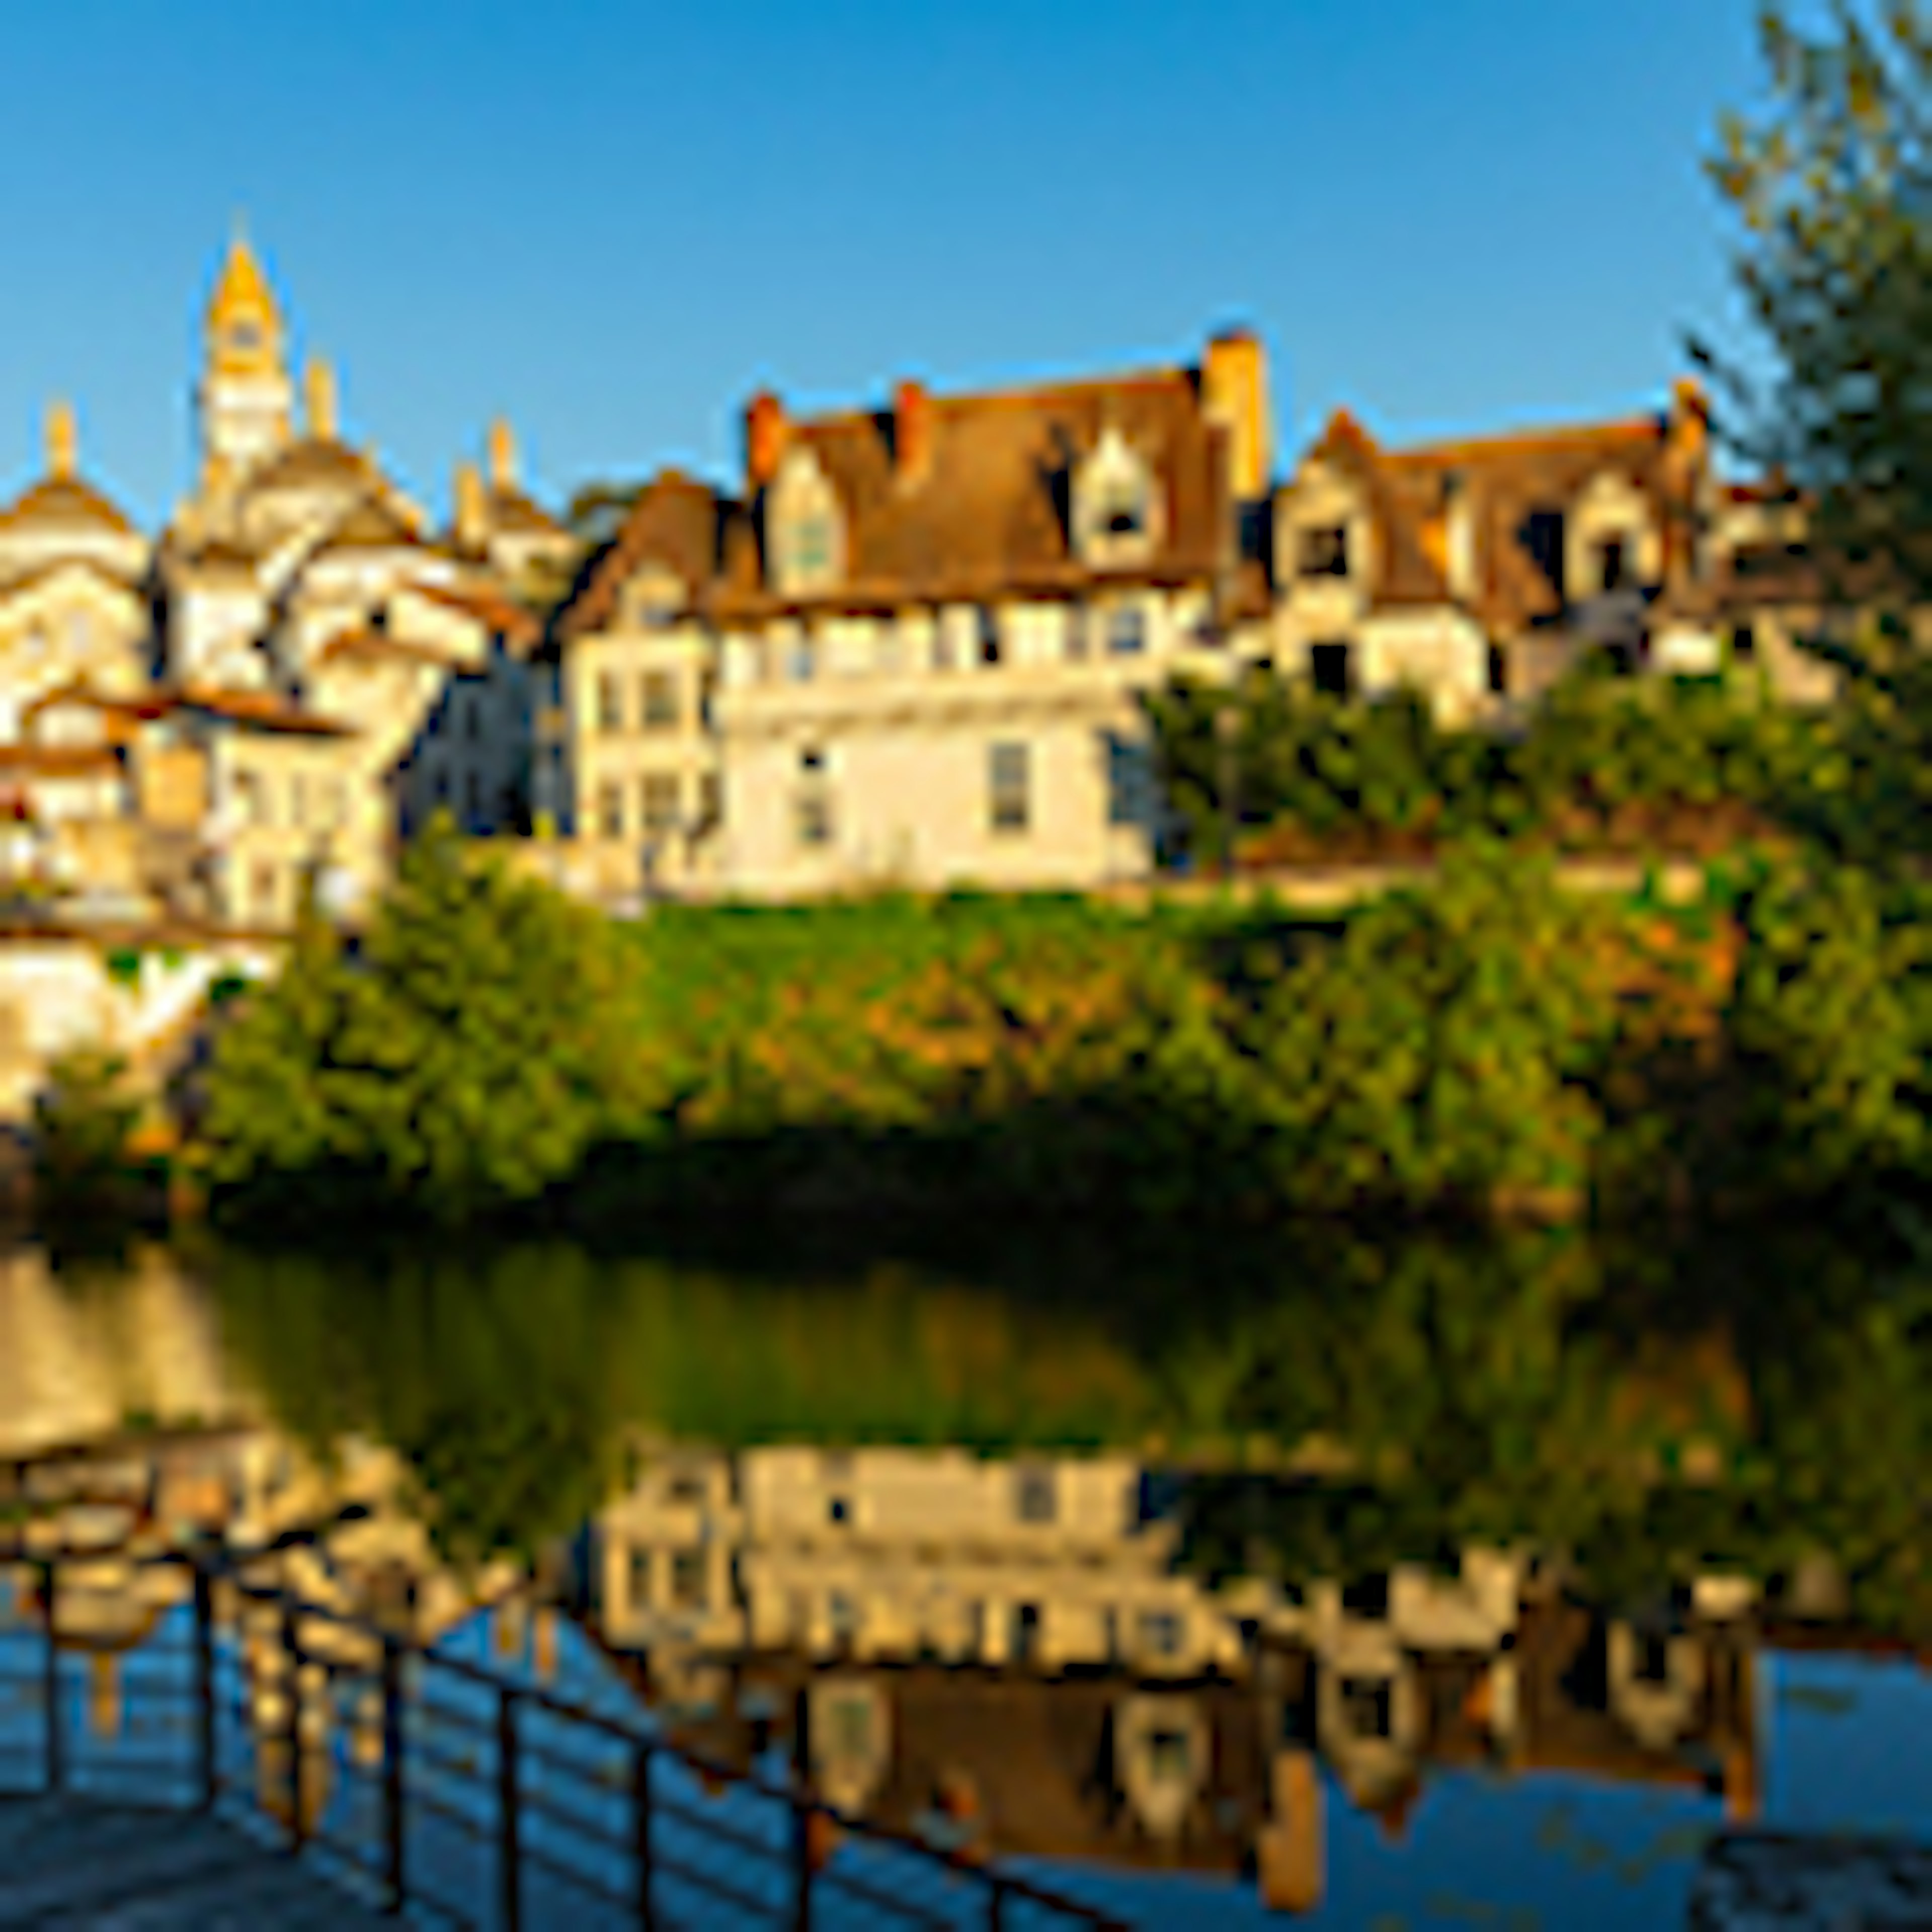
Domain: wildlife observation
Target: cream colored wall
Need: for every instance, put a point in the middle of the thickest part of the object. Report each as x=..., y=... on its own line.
x=316, y=803
x=1324, y=607
x=933, y=1555
x=684, y=752
x=1440, y=652
x=111, y=652
x=1608, y=506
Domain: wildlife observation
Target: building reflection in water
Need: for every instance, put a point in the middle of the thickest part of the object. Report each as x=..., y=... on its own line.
x=1003, y=1655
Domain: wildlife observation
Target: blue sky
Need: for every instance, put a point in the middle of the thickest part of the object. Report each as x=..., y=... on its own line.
x=613, y=221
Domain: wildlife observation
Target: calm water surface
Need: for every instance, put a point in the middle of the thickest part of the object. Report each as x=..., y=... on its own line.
x=1410, y=1583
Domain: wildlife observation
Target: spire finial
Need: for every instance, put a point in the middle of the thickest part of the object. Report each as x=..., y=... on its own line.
x=63, y=439
x=319, y=397
x=503, y=456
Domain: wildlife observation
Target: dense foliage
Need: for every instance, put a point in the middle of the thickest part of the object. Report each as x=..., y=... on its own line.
x=1490, y=1042
x=1604, y=764
x=466, y=1055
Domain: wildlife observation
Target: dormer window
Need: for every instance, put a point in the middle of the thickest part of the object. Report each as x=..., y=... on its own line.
x=803, y=517
x=1115, y=509
x=1325, y=551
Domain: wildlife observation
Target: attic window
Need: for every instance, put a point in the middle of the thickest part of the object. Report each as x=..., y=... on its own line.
x=1325, y=552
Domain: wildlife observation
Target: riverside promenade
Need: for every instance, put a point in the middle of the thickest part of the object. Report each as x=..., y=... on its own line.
x=67, y=1861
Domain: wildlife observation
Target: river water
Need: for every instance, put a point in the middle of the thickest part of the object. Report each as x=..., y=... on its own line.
x=1406, y=1583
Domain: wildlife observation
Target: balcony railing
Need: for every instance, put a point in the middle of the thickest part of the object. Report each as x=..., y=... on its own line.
x=443, y=1790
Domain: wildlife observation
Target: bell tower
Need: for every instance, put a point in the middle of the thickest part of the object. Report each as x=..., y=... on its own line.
x=246, y=400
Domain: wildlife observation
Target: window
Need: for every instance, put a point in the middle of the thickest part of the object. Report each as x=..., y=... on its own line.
x=610, y=703
x=710, y=800
x=1130, y=788
x=1612, y=564
x=1169, y=1761
x=1011, y=804
x=1072, y=634
x=1160, y=1632
x=811, y=546
x=810, y=758
x=640, y=1576
x=707, y=697
x=1744, y=644
x=248, y=798
x=472, y=796
x=1038, y=1499
x=687, y=1578
x=1330, y=668
x=658, y=700
x=801, y=662
x=1125, y=516
x=989, y=637
x=838, y=1509
x=660, y=803
x=611, y=809
x=1325, y=552
x=1126, y=631
x=1652, y=1663
x=1499, y=671
x=813, y=816
x=1026, y=1633
x=1367, y=1703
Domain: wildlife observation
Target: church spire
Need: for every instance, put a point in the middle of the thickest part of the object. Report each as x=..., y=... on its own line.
x=245, y=323
x=247, y=400
x=63, y=440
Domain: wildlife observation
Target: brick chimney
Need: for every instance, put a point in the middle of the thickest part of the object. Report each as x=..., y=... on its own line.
x=767, y=431
x=912, y=432
x=1234, y=394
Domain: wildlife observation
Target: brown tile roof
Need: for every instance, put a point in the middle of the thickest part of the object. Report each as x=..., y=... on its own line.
x=495, y=612
x=59, y=761
x=987, y=513
x=314, y=463
x=1504, y=479
x=513, y=511
x=676, y=522
x=380, y=647
x=64, y=503
x=257, y=710
x=371, y=524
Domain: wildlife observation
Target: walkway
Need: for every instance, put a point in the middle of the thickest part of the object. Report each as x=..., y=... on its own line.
x=66, y=1863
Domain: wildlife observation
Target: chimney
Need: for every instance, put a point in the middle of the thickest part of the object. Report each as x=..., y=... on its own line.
x=1688, y=438
x=503, y=456
x=471, y=524
x=319, y=401
x=767, y=433
x=1459, y=516
x=63, y=440
x=1234, y=394
x=912, y=432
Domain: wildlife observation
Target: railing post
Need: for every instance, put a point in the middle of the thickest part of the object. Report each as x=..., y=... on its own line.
x=204, y=1685
x=50, y=1678
x=510, y=1861
x=292, y=1663
x=392, y=1772
x=996, y=1904
x=640, y=1833
x=801, y=1851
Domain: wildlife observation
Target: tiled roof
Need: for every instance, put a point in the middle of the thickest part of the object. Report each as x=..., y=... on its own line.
x=259, y=710
x=676, y=522
x=64, y=503
x=494, y=612
x=370, y=525
x=59, y=761
x=314, y=463
x=512, y=511
x=987, y=513
x=380, y=647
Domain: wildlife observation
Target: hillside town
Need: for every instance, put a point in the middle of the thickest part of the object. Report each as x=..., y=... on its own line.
x=909, y=647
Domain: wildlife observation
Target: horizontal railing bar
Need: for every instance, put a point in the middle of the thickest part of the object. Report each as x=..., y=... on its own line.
x=574, y=1821
x=661, y=1861
x=576, y=1768
x=418, y=1793
x=706, y=1821
x=534, y=1854
x=906, y=1908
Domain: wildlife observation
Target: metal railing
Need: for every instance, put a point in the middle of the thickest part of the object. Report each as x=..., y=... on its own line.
x=433, y=1786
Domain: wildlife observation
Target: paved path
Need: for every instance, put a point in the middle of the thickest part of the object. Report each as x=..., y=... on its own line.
x=66, y=1863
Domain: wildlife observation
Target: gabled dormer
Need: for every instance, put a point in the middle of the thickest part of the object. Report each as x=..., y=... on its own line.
x=804, y=527
x=1118, y=518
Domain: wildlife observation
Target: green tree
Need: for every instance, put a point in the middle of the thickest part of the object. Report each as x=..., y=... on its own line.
x=482, y=1038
